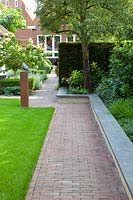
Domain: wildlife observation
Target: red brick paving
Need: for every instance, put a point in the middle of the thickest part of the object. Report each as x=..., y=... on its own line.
x=75, y=162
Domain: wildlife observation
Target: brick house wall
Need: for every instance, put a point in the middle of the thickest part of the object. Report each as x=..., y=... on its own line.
x=32, y=21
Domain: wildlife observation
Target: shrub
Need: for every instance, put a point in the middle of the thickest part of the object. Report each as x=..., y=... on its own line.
x=119, y=82
x=12, y=86
x=121, y=64
x=122, y=108
x=37, y=83
x=11, y=91
x=96, y=74
x=76, y=79
x=36, y=57
x=75, y=83
x=107, y=90
x=123, y=112
x=77, y=90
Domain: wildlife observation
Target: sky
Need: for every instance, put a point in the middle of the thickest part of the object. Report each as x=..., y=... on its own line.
x=30, y=4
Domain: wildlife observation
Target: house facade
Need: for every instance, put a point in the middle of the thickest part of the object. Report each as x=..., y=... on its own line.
x=49, y=42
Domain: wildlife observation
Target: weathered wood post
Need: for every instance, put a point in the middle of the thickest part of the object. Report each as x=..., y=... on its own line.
x=24, y=89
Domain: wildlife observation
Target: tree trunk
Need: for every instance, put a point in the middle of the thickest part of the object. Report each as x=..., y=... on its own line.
x=15, y=73
x=86, y=69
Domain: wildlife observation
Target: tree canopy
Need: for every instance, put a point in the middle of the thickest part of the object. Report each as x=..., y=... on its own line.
x=88, y=19
x=11, y=18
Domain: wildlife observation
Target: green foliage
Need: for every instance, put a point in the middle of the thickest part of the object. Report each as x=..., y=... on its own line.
x=77, y=90
x=37, y=82
x=22, y=133
x=121, y=64
x=11, y=91
x=123, y=112
x=107, y=90
x=97, y=74
x=75, y=83
x=119, y=82
x=11, y=19
x=70, y=59
x=13, y=55
x=76, y=79
x=41, y=73
x=35, y=57
x=89, y=20
x=11, y=52
x=122, y=108
x=12, y=86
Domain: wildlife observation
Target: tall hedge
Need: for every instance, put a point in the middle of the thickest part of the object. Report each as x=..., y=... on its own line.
x=70, y=57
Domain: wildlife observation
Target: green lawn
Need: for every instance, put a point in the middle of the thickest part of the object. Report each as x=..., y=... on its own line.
x=22, y=132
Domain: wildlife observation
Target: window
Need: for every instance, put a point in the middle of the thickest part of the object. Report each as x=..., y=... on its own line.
x=7, y=3
x=50, y=44
x=71, y=38
x=16, y=3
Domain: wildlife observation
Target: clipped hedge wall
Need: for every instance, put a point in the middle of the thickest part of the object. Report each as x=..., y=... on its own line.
x=11, y=83
x=70, y=57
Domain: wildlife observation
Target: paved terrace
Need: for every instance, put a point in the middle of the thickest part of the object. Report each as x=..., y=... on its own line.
x=74, y=162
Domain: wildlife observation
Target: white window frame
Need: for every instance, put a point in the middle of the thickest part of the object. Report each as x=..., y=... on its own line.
x=73, y=38
x=16, y=3
x=7, y=3
x=52, y=52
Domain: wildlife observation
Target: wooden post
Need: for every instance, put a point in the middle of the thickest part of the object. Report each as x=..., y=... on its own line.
x=24, y=89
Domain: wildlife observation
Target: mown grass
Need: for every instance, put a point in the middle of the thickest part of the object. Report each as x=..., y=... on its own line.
x=22, y=132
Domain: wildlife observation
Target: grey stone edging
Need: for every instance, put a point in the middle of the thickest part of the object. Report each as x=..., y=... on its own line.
x=119, y=144
x=118, y=141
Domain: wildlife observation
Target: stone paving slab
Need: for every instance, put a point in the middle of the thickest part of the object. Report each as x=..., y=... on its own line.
x=75, y=162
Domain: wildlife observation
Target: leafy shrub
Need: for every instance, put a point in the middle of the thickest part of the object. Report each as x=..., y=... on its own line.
x=76, y=79
x=46, y=66
x=12, y=86
x=121, y=64
x=75, y=83
x=119, y=82
x=77, y=90
x=11, y=53
x=107, y=90
x=123, y=112
x=11, y=91
x=43, y=77
x=97, y=73
x=37, y=83
x=122, y=108
x=35, y=57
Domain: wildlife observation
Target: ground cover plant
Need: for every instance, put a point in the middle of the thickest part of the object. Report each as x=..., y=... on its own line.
x=123, y=112
x=22, y=132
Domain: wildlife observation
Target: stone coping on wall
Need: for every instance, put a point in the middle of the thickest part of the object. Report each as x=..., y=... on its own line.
x=117, y=141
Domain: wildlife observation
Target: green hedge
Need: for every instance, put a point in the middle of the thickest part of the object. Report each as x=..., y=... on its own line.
x=13, y=84
x=70, y=57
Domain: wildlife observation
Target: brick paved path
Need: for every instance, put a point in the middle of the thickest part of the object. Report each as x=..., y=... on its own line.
x=74, y=162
